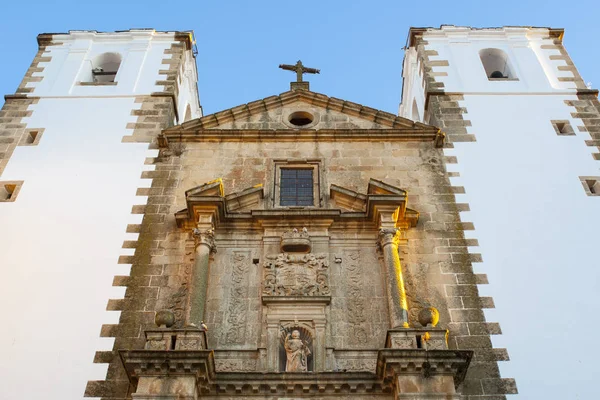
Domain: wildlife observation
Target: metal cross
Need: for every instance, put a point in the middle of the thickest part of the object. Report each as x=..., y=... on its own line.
x=299, y=69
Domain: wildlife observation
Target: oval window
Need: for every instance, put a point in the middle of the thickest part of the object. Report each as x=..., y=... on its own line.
x=301, y=118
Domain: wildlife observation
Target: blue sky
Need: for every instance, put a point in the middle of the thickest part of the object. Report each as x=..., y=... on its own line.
x=356, y=44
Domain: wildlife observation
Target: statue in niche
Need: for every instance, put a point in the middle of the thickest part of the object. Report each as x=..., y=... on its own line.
x=297, y=353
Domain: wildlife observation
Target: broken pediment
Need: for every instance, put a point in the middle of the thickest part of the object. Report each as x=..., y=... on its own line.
x=211, y=197
x=380, y=195
x=301, y=115
x=346, y=204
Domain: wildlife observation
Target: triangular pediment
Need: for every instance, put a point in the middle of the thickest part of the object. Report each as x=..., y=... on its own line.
x=302, y=111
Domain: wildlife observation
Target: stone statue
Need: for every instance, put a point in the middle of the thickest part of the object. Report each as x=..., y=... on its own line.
x=297, y=353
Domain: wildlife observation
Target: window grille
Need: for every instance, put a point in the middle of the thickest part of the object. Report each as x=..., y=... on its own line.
x=296, y=187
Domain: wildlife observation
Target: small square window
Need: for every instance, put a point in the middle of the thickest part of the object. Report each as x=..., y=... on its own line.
x=296, y=183
x=591, y=185
x=31, y=137
x=563, y=127
x=9, y=190
x=296, y=187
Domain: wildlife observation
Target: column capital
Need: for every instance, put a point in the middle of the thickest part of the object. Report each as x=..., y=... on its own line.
x=388, y=236
x=205, y=237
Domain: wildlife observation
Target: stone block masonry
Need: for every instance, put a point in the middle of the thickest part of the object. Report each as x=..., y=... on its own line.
x=468, y=326
x=18, y=107
x=587, y=109
x=149, y=276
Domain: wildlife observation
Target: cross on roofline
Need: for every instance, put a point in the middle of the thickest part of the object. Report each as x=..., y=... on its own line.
x=299, y=69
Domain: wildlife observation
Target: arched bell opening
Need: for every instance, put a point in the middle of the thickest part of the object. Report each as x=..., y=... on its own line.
x=105, y=67
x=496, y=64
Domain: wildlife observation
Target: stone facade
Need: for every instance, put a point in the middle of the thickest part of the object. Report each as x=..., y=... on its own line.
x=348, y=277
x=212, y=249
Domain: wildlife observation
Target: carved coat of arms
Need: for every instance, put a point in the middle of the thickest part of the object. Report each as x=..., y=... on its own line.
x=296, y=275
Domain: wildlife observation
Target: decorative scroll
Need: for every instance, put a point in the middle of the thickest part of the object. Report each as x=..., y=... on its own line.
x=235, y=331
x=296, y=275
x=356, y=301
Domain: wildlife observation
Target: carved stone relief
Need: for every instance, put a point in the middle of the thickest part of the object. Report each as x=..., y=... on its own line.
x=177, y=301
x=355, y=365
x=236, y=314
x=296, y=275
x=235, y=365
x=355, y=360
x=355, y=298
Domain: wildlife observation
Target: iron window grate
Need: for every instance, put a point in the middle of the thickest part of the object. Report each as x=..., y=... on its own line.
x=296, y=187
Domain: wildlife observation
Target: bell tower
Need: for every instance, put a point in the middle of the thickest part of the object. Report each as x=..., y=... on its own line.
x=74, y=138
x=523, y=135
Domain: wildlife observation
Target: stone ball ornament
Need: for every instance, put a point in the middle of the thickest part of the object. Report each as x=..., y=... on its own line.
x=428, y=316
x=164, y=319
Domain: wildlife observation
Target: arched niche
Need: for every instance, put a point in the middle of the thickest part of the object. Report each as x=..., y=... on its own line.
x=306, y=336
x=496, y=64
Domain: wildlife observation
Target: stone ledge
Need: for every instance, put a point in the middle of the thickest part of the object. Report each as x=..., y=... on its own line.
x=296, y=299
x=97, y=83
x=397, y=362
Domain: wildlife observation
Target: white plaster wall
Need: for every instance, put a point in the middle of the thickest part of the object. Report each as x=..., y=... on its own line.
x=536, y=227
x=188, y=93
x=538, y=234
x=62, y=237
x=460, y=46
x=142, y=52
x=412, y=87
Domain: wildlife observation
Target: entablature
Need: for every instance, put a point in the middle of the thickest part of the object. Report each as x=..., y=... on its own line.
x=382, y=204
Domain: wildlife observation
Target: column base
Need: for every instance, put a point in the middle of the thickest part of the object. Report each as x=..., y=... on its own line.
x=423, y=374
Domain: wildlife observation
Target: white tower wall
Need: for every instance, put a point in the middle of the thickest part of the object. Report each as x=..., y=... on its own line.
x=535, y=220
x=63, y=227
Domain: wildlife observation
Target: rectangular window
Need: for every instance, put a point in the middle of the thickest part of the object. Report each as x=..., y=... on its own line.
x=296, y=187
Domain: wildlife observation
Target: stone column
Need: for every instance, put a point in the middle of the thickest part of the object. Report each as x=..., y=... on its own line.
x=205, y=244
x=396, y=294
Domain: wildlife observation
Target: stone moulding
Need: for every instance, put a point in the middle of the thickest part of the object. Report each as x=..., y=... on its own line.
x=296, y=299
x=304, y=135
x=390, y=364
x=387, y=127
x=172, y=363
x=210, y=198
x=397, y=362
x=298, y=383
x=245, y=111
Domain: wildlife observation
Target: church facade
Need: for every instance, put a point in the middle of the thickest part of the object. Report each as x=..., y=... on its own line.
x=299, y=245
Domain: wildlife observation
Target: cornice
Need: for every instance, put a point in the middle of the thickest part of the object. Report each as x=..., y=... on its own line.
x=435, y=136
x=244, y=111
x=448, y=31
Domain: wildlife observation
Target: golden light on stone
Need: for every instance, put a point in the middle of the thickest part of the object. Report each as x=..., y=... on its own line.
x=429, y=316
